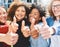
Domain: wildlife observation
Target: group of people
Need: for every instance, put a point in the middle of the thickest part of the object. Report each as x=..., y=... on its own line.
x=28, y=27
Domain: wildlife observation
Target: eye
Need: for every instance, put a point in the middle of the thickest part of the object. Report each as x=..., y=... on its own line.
x=23, y=10
x=17, y=10
x=56, y=5
x=35, y=14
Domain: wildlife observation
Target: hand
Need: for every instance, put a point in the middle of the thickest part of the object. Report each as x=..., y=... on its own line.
x=44, y=30
x=14, y=25
x=32, y=20
x=10, y=38
x=45, y=33
x=25, y=29
x=32, y=23
x=34, y=32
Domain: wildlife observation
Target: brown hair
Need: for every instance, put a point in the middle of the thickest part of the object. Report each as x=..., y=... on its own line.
x=50, y=9
x=13, y=7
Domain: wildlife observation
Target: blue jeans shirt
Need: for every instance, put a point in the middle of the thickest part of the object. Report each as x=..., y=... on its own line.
x=38, y=42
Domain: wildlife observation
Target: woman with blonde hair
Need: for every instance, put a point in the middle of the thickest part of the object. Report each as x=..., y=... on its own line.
x=6, y=38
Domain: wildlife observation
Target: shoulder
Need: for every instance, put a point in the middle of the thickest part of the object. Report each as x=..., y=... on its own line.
x=49, y=18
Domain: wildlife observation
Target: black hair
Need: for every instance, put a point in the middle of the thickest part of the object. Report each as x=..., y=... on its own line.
x=40, y=9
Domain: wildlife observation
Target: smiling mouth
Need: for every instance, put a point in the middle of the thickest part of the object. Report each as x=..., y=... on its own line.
x=19, y=15
x=4, y=19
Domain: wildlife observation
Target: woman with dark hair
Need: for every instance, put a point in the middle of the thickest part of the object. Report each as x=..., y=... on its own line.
x=35, y=18
x=20, y=11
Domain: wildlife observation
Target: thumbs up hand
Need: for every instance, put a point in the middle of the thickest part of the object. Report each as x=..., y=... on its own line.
x=44, y=20
x=25, y=29
x=34, y=31
x=32, y=23
x=10, y=38
x=14, y=25
x=44, y=30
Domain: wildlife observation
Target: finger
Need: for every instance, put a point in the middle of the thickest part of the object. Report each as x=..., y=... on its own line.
x=23, y=23
x=33, y=20
x=9, y=29
x=44, y=20
x=32, y=23
x=14, y=19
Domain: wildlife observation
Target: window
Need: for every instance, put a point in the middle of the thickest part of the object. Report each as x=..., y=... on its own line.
x=29, y=1
x=9, y=2
x=35, y=0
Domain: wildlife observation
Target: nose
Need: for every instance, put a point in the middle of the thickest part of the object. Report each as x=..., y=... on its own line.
x=19, y=12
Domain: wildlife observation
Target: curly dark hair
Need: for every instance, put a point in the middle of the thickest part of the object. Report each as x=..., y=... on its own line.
x=39, y=8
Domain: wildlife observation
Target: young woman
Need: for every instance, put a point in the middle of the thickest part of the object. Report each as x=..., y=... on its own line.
x=5, y=30
x=35, y=19
x=20, y=11
x=54, y=20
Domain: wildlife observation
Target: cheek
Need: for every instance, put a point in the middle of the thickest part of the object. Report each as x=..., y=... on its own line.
x=16, y=13
x=5, y=16
x=37, y=17
x=53, y=10
x=24, y=14
x=1, y=18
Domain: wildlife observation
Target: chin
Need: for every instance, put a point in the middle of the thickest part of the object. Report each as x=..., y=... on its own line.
x=4, y=22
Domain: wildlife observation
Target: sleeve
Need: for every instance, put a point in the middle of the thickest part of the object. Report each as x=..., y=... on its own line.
x=50, y=21
x=57, y=29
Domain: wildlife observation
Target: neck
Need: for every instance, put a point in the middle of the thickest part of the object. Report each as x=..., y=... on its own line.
x=57, y=18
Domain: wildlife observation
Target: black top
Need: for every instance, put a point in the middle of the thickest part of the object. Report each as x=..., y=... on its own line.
x=4, y=45
x=22, y=41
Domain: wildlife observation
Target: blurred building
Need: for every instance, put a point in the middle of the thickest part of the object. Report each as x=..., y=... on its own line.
x=6, y=3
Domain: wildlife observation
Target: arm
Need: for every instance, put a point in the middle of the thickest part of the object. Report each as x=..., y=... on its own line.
x=50, y=23
x=9, y=38
x=1, y=37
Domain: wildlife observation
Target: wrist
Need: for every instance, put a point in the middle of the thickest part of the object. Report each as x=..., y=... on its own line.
x=52, y=32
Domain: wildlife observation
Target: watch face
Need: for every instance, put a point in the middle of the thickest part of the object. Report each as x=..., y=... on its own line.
x=3, y=29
